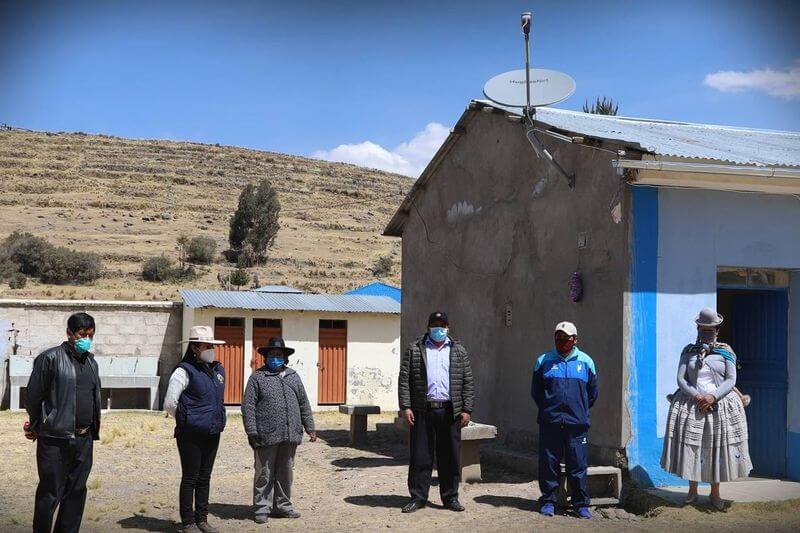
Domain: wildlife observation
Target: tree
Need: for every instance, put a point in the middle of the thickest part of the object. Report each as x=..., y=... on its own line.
x=255, y=222
x=606, y=106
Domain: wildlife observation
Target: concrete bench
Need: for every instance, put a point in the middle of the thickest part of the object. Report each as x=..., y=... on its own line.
x=471, y=438
x=604, y=484
x=358, y=420
x=116, y=372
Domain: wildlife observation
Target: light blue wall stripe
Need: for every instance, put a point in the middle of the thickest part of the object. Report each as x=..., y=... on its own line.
x=644, y=448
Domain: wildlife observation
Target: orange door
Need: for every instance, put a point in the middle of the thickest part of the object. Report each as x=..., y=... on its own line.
x=231, y=355
x=332, y=362
x=263, y=330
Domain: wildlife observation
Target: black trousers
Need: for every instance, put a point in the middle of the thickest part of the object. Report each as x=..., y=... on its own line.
x=64, y=466
x=435, y=431
x=198, y=453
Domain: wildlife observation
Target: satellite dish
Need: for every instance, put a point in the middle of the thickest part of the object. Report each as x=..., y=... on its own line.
x=547, y=87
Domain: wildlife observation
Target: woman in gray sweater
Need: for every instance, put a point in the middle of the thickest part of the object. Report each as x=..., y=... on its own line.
x=706, y=436
x=275, y=411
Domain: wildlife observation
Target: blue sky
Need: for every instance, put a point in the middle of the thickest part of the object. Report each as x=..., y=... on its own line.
x=380, y=82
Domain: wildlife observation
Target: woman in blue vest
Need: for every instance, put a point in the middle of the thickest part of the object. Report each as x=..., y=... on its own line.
x=195, y=399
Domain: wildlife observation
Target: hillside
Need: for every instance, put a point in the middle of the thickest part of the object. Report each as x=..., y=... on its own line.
x=129, y=200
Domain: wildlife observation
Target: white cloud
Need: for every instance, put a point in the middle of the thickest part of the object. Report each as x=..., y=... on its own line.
x=408, y=158
x=782, y=83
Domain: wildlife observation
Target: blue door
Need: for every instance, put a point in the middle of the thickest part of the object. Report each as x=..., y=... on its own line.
x=756, y=328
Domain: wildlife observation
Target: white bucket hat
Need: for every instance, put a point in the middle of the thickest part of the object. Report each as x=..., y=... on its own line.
x=203, y=334
x=708, y=317
x=568, y=328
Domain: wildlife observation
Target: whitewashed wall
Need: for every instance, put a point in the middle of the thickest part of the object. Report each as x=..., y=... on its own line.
x=373, y=349
x=700, y=230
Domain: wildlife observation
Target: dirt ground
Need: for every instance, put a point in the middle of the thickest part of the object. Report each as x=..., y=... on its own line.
x=136, y=472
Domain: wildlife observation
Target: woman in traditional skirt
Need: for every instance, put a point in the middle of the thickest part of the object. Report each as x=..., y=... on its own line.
x=706, y=436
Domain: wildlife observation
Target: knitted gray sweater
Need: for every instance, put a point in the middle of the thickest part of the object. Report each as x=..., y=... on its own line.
x=275, y=408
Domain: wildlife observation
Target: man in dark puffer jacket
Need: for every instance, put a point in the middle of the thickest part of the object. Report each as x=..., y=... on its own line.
x=436, y=394
x=275, y=411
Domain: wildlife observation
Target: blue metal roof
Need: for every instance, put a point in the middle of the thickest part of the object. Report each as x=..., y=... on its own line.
x=378, y=289
x=334, y=303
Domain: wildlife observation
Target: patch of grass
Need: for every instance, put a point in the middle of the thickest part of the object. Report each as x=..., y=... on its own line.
x=131, y=443
x=94, y=483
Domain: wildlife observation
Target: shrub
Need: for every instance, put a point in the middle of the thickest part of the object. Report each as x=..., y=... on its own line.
x=383, y=266
x=26, y=250
x=17, y=281
x=239, y=277
x=201, y=250
x=61, y=265
x=8, y=268
x=157, y=269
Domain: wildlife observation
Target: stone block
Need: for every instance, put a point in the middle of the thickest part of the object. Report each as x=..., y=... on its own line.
x=360, y=409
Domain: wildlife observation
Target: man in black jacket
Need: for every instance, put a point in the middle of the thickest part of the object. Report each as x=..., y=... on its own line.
x=436, y=394
x=63, y=404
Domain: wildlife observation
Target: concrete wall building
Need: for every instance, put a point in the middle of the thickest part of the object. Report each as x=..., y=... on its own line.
x=124, y=329
x=347, y=346
x=657, y=227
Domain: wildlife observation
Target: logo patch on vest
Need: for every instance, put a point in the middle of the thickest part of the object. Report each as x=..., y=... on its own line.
x=221, y=378
x=579, y=368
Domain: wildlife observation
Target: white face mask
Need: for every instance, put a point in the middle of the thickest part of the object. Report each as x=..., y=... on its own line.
x=207, y=355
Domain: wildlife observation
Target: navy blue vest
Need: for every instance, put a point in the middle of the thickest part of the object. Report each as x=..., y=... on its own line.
x=201, y=407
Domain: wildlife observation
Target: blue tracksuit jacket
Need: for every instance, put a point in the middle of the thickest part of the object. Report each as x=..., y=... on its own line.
x=564, y=388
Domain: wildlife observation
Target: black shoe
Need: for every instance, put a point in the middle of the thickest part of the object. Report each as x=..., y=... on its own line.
x=286, y=514
x=413, y=505
x=454, y=505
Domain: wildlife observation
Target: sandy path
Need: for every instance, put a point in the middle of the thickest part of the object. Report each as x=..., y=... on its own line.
x=135, y=479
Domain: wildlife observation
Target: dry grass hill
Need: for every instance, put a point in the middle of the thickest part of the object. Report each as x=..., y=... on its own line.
x=129, y=200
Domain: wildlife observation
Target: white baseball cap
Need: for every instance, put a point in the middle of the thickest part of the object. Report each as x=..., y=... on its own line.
x=568, y=328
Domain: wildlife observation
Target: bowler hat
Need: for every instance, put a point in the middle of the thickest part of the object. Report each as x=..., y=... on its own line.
x=708, y=317
x=275, y=342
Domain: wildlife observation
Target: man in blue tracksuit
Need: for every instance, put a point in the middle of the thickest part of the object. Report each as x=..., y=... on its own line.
x=564, y=387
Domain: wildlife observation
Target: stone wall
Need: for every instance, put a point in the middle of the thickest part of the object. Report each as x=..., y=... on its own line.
x=144, y=329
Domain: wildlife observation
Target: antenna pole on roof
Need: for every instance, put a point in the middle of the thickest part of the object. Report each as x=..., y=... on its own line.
x=525, y=23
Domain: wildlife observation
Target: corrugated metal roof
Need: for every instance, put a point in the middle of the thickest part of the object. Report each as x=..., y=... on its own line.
x=740, y=146
x=334, y=303
x=378, y=289
x=278, y=288
x=743, y=146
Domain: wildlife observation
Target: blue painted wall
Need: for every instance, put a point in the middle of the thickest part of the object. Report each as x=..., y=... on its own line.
x=644, y=447
x=678, y=238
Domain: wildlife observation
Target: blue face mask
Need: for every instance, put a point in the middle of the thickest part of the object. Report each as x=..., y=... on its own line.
x=438, y=334
x=83, y=345
x=274, y=363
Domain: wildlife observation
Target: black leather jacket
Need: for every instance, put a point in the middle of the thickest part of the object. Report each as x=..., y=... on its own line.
x=50, y=398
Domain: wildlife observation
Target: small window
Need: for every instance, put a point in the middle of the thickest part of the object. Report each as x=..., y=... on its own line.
x=751, y=277
x=333, y=324
x=228, y=321
x=270, y=323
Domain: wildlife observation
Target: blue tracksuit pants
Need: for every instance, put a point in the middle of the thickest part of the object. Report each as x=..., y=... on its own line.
x=565, y=442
